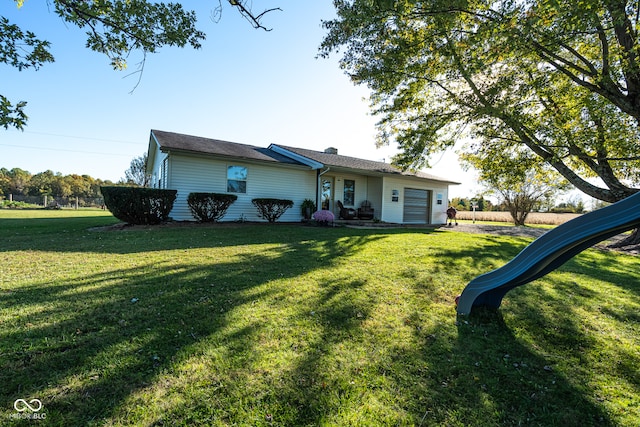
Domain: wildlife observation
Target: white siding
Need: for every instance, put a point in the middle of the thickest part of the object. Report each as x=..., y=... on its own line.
x=201, y=174
x=393, y=211
x=374, y=195
x=366, y=188
x=156, y=170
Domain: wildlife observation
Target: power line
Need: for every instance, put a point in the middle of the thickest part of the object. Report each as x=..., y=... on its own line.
x=64, y=149
x=79, y=137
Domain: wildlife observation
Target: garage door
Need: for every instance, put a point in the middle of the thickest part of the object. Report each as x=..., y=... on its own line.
x=416, y=206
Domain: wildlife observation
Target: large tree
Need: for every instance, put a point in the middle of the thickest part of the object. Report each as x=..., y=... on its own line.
x=559, y=78
x=137, y=172
x=519, y=178
x=114, y=28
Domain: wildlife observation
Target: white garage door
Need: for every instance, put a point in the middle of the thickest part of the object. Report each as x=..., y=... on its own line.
x=416, y=206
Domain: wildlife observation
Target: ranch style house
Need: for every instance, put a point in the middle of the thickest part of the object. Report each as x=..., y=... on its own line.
x=194, y=164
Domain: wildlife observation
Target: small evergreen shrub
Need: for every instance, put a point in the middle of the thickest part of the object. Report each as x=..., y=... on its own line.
x=271, y=209
x=307, y=208
x=12, y=204
x=209, y=207
x=139, y=205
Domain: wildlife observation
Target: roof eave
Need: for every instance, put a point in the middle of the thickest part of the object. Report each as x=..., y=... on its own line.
x=297, y=157
x=151, y=153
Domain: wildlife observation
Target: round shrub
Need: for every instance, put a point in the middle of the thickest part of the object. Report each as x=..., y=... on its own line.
x=324, y=217
x=209, y=207
x=271, y=209
x=139, y=205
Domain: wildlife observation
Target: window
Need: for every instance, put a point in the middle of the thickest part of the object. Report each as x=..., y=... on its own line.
x=162, y=179
x=236, y=179
x=349, y=192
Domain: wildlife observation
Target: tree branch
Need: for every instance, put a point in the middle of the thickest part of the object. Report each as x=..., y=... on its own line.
x=249, y=16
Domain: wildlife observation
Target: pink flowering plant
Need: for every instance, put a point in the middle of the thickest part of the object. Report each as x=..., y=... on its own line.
x=324, y=217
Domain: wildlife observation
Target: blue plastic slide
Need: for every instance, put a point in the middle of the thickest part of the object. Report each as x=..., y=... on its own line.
x=550, y=251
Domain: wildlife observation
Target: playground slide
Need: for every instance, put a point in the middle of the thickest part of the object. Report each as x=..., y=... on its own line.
x=550, y=251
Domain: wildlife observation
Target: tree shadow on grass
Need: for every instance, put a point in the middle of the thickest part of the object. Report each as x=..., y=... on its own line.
x=84, y=348
x=520, y=384
x=364, y=353
x=64, y=239
x=478, y=373
x=481, y=371
x=546, y=355
x=488, y=253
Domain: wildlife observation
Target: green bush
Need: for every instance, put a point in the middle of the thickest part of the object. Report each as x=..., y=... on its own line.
x=271, y=209
x=307, y=208
x=12, y=204
x=209, y=207
x=139, y=205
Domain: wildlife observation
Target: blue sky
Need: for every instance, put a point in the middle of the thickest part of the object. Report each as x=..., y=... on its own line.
x=244, y=85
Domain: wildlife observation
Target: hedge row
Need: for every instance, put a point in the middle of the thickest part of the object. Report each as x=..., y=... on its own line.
x=143, y=206
x=139, y=205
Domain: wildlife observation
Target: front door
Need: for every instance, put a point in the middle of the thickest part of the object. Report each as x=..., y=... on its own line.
x=327, y=193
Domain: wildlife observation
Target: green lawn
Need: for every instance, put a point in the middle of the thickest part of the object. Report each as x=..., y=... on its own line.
x=288, y=325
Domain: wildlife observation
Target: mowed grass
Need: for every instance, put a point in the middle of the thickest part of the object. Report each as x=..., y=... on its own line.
x=289, y=325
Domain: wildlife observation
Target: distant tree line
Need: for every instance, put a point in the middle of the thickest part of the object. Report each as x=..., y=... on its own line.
x=20, y=184
x=574, y=205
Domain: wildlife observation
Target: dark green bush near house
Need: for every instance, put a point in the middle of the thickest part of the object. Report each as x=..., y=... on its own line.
x=271, y=209
x=139, y=205
x=307, y=208
x=209, y=207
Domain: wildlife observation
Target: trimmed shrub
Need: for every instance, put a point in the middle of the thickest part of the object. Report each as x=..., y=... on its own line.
x=139, y=205
x=271, y=209
x=209, y=207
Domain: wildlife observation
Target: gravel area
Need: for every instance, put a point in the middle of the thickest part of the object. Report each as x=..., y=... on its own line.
x=502, y=230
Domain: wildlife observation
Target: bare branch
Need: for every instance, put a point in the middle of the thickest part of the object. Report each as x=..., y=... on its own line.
x=139, y=71
x=216, y=13
x=249, y=16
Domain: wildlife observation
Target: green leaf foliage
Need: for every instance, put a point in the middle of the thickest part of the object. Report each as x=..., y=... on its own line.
x=271, y=209
x=557, y=79
x=115, y=28
x=22, y=50
x=141, y=206
x=519, y=178
x=210, y=207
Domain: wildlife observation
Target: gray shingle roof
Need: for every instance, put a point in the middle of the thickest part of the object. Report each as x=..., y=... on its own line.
x=347, y=162
x=179, y=142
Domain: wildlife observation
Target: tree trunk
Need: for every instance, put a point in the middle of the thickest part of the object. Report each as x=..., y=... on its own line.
x=631, y=240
